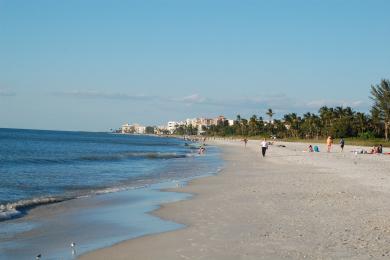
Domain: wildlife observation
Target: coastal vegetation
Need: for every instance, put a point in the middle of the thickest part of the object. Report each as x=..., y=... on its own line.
x=338, y=122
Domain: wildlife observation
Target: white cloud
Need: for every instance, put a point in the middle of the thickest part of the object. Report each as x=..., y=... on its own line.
x=280, y=103
x=194, y=98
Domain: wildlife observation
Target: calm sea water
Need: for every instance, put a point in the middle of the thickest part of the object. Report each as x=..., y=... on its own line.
x=40, y=167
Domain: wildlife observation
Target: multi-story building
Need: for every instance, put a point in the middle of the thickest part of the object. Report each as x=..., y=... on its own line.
x=171, y=126
x=127, y=128
x=219, y=120
x=192, y=122
x=132, y=129
x=140, y=129
x=199, y=123
x=206, y=121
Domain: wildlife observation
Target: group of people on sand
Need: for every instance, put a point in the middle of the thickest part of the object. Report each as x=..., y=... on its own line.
x=314, y=149
x=329, y=144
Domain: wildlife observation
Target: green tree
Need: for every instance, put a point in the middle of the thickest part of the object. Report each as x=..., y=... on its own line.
x=270, y=114
x=292, y=122
x=252, y=126
x=375, y=122
x=380, y=94
x=311, y=125
x=149, y=130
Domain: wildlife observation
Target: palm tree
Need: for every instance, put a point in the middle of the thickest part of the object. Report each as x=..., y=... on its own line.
x=361, y=122
x=381, y=97
x=312, y=124
x=375, y=121
x=326, y=115
x=338, y=112
x=253, y=125
x=270, y=113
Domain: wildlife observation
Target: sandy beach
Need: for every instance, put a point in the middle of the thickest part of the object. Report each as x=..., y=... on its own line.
x=289, y=205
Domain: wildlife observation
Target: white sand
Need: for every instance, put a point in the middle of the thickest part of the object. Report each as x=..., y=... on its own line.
x=291, y=205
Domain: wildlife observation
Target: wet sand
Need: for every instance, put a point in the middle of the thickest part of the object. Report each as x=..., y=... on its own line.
x=290, y=204
x=92, y=222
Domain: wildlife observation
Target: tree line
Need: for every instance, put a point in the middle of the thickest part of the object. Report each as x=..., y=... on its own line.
x=329, y=121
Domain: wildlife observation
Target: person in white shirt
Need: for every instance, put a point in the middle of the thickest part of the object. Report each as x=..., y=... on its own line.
x=264, y=147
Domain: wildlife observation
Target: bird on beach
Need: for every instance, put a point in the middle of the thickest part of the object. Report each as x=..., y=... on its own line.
x=73, y=246
x=38, y=257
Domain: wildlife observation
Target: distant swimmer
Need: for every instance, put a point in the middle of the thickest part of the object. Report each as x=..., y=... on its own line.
x=202, y=149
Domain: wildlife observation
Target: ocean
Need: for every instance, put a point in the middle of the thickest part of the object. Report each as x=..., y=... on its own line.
x=39, y=168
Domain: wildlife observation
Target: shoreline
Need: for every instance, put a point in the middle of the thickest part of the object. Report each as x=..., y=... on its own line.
x=77, y=219
x=223, y=221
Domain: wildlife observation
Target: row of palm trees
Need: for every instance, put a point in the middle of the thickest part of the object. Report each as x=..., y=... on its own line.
x=335, y=121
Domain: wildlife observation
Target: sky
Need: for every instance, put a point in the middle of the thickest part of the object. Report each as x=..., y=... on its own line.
x=93, y=65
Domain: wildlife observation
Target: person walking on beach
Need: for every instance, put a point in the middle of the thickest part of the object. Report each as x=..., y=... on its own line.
x=264, y=147
x=245, y=141
x=329, y=143
x=342, y=144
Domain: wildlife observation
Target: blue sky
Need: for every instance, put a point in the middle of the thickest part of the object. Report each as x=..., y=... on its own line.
x=93, y=65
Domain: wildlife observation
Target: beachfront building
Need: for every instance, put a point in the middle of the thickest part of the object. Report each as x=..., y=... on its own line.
x=219, y=120
x=139, y=129
x=171, y=126
x=191, y=122
x=127, y=128
x=199, y=123
x=133, y=129
x=206, y=122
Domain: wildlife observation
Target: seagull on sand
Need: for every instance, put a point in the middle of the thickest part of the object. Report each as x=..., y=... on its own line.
x=73, y=246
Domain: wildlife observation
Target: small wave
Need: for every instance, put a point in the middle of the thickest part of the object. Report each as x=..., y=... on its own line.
x=116, y=189
x=110, y=190
x=98, y=157
x=123, y=156
x=16, y=209
x=19, y=208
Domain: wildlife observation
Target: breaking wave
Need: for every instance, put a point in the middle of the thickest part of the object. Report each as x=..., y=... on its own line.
x=122, y=156
x=17, y=209
x=100, y=157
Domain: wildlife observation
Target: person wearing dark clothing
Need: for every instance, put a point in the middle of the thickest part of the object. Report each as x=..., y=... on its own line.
x=342, y=144
x=380, y=149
